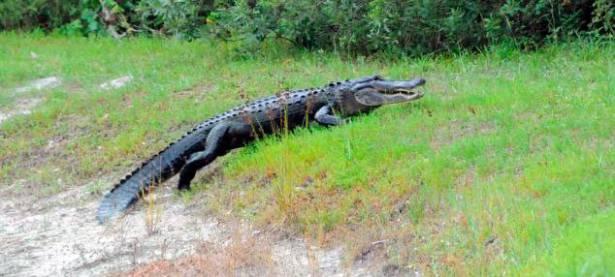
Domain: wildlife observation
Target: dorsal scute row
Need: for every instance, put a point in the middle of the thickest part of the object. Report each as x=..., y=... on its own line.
x=143, y=164
x=258, y=105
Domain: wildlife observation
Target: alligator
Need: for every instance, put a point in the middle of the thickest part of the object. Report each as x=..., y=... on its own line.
x=216, y=136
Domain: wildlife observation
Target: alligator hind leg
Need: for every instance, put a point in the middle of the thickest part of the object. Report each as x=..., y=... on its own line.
x=213, y=148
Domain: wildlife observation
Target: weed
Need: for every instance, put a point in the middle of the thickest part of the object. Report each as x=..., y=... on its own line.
x=153, y=213
x=96, y=187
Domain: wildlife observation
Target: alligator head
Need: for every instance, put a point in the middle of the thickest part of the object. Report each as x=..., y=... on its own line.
x=365, y=94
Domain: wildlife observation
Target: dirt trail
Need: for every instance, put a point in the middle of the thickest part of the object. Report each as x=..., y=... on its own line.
x=59, y=236
x=24, y=106
x=21, y=107
x=40, y=84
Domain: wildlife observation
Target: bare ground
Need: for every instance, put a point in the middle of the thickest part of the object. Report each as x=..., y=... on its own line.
x=24, y=106
x=21, y=107
x=59, y=236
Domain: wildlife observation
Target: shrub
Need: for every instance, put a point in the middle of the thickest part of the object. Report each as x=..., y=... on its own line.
x=29, y=14
x=350, y=26
x=180, y=18
x=412, y=26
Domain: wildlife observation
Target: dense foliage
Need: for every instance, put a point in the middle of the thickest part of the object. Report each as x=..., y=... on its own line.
x=413, y=26
x=363, y=26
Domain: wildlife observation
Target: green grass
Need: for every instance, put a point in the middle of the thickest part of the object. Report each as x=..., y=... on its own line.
x=506, y=166
x=586, y=248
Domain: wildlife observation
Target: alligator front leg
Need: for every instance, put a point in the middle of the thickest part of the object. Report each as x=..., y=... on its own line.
x=325, y=116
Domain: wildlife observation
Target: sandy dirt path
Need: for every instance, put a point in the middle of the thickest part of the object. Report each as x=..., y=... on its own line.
x=59, y=236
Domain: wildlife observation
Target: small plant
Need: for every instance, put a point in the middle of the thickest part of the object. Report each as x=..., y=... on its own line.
x=283, y=188
x=96, y=187
x=153, y=213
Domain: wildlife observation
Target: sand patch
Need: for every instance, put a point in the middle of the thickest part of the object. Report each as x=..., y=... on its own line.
x=39, y=84
x=59, y=236
x=116, y=83
x=21, y=107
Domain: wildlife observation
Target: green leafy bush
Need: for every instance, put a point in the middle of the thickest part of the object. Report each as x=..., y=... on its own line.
x=350, y=26
x=29, y=14
x=180, y=18
x=69, y=17
x=412, y=26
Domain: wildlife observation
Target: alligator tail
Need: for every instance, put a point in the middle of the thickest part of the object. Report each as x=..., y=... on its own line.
x=127, y=191
x=156, y=170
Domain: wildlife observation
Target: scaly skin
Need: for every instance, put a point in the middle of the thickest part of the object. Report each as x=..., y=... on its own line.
x=239, y=126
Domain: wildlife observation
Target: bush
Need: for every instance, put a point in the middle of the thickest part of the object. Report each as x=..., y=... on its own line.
x=180, y=18
x=412, y=26
x=71, y=17
x=351, y=26
x=28, y=14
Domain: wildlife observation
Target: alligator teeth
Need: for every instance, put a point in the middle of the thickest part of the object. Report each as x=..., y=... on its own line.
x=405, y=91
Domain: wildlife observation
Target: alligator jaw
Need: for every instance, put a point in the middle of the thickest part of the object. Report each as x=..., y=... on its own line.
x=383, y=92
x=398, y=88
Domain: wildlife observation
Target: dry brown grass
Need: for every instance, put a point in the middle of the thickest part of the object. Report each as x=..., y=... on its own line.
x=241, y=254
